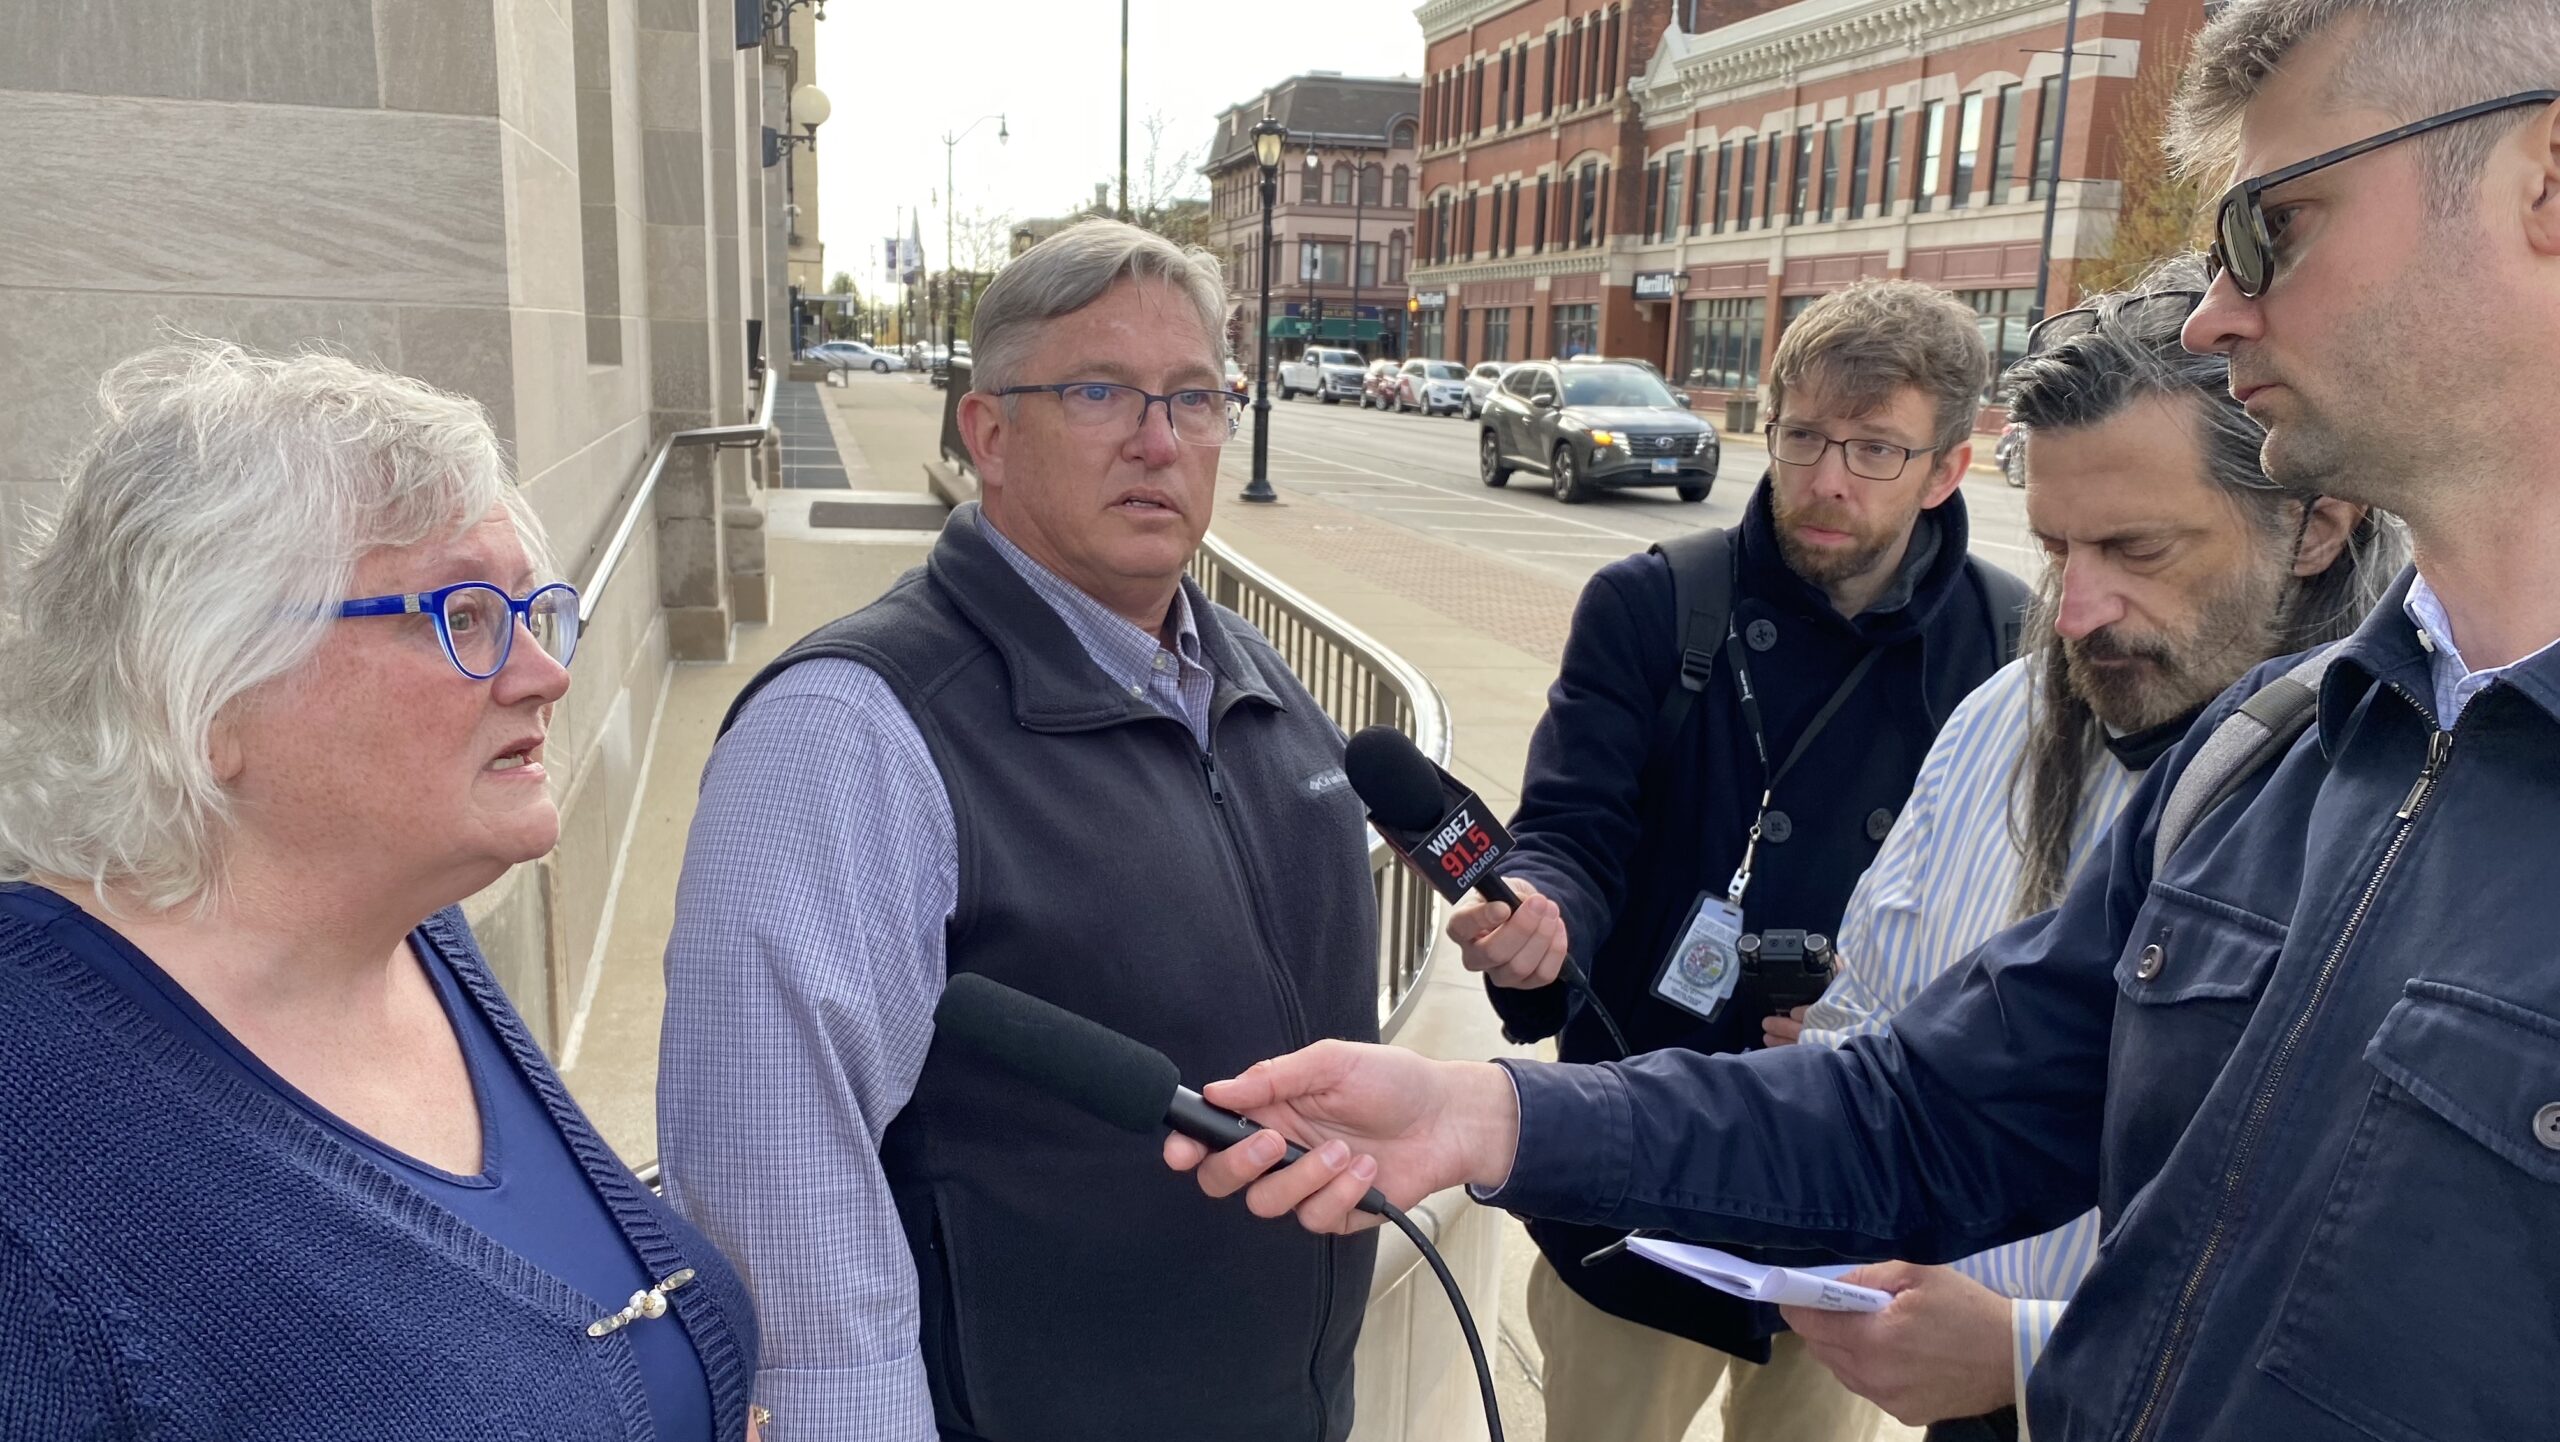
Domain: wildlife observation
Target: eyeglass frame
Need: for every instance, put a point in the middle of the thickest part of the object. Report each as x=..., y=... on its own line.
x=2037, y=345
x=1234, y=403
x=432, y=603
x=2246, y=195
x=1769, y=433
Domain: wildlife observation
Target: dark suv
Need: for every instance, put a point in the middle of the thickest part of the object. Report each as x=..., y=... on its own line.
x=1592, y=427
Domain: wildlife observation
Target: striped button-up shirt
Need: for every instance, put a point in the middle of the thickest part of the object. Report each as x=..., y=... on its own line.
x=1946, y=880
x=802, y=973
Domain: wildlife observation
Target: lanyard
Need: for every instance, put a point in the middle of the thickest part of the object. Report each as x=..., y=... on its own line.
x=1760, y=742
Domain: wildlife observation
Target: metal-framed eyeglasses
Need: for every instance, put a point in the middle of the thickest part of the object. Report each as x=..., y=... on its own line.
x=2244, y=250
x=2132, y=315
x=1207, y=416
x=1868, y=460
x=476, y=621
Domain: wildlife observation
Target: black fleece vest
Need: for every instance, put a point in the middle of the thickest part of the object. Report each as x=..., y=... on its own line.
x=1216, y=907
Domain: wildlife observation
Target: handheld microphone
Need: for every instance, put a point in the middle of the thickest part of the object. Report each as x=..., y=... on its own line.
x=1137, y=1088
x=1444, y=831
x=1092, y=1068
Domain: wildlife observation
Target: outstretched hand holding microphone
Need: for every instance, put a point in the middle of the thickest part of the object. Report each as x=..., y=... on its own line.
x=1504, y=927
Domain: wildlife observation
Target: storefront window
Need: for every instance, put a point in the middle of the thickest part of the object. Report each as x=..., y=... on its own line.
x=2003, y=316
x=1720, y=345
x=1576, y=330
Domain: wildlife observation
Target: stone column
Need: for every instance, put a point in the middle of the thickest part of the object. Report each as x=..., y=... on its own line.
x=676, y=57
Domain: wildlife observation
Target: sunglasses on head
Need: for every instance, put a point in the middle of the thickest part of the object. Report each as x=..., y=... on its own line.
x=2130, y=315
x=2242, y=248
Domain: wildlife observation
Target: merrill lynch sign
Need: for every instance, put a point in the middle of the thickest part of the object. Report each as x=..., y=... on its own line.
x=1660, y=284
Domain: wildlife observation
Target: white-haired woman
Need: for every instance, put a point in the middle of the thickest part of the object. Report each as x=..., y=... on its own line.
x=277, y=1159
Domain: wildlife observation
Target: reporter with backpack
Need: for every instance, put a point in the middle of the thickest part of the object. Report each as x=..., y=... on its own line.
x=1739, y=716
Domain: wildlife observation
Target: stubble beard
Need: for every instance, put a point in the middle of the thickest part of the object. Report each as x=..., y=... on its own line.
x=2169, y=678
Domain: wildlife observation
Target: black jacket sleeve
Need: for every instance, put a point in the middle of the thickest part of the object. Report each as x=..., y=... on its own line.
x=1581, y=811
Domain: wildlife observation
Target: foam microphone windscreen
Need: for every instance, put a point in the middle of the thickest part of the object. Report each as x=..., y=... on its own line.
x=1085, y=1064
x=1394, y=779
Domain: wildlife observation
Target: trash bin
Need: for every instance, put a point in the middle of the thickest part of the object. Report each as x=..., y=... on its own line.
x=1741, y=414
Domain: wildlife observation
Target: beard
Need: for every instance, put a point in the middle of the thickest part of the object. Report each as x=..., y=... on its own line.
x=2133, y=683
x=1828, y=566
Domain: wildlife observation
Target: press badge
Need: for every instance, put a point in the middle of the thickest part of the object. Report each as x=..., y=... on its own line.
x=1699, y=974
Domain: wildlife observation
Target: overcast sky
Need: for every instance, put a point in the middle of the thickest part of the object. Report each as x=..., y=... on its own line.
x=1052, y=67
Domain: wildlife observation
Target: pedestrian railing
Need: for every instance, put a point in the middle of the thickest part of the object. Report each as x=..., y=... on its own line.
x=1359, y=683
x=606, y=558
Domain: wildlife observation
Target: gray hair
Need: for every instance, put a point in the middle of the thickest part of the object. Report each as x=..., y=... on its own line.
x=2409, y=59
x=2135, y=351
x=204, y=542
x=1071, y=270
x=2132, y=353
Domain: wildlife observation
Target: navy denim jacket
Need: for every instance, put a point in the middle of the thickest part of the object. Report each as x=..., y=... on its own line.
x=2310, y=1074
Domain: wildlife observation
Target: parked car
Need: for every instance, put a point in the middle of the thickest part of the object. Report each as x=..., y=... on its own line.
x=1480, y=383
x=853, y=355
x=2011, y=454
x=1594, y=426
x=1378, y=386
x=1431, y=387
x=1325, y=372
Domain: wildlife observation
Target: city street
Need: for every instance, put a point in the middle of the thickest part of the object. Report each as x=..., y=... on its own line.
x=1419, y=472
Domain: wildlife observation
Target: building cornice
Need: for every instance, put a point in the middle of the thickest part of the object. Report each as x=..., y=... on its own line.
x=1442, y=18
x=1464, y=272
x=1782, y=45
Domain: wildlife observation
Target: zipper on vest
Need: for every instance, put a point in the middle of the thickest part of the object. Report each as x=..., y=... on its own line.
x=2253, y=1122
x=1293, y=1017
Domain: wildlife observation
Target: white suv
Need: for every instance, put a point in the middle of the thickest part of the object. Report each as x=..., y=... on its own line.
x=1480, y=383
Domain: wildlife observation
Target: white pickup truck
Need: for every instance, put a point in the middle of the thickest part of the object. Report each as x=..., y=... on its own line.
x=1323, y=371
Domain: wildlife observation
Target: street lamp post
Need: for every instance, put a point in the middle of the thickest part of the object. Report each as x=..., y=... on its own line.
x=1267, y=138
x=950, y=203
x=2053, y=182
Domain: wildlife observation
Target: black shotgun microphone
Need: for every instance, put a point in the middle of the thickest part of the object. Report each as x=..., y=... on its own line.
x=1092, y=1068
x=1446, y=832
x=1137, y=1088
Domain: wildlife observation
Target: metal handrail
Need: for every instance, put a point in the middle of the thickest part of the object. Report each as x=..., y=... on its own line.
x=1359, y=683
x=608, y=558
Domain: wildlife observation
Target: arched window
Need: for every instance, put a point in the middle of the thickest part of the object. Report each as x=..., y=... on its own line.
x=1310, y=186
x=1341, y=184
x=1402, y=191
x=1403, y=137
x=1372, y=177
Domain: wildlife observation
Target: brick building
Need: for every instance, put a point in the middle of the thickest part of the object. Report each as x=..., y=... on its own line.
x=1361, y=137
x=1678, y=181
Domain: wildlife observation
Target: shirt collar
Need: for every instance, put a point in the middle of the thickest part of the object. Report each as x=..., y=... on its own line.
x=1125, y=651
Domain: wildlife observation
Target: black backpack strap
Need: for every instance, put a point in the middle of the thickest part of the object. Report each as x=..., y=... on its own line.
x=2006, y=601
x=1702, y=571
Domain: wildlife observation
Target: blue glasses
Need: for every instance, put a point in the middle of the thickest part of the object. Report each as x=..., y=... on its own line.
x=477, y=621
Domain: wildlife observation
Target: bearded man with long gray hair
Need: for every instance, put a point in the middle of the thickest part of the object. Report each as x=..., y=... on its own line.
x=2173, y=565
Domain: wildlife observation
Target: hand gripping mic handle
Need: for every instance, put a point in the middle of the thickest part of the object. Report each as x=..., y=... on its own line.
x=1218, y=1129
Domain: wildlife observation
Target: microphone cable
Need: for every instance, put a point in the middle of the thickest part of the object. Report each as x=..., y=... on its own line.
x=1458, y=1304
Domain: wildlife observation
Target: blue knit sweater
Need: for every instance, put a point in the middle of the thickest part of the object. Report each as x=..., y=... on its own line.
x=186, y=1256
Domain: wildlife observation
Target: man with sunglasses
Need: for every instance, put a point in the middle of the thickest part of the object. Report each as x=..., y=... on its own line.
x=2295, y=1033
x=1048, y=759
x=1845, y=622
x=2173, y=566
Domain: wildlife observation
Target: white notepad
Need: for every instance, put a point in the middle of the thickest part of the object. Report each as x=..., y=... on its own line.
x=1816, y=1287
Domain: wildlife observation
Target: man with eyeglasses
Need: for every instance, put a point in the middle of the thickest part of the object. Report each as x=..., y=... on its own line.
x=1660, y=824
x=2295, y=1032
x=1048, y=759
